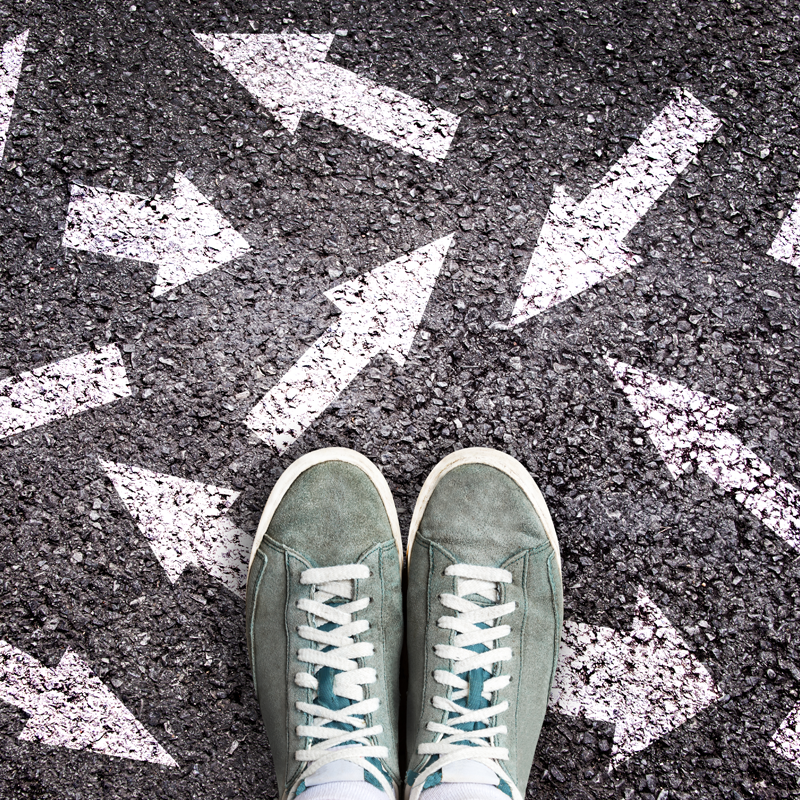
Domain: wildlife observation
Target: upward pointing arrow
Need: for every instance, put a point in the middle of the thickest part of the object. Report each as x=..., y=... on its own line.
x=185, y=235
x=184, y=522
x=381, y=311
x=686, y=427
x=580, y=244
x=10, y=69
x=70, y=707
x=645, y=681
x=289, y=75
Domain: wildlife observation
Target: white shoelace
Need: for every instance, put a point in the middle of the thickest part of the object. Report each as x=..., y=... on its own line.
x=339, y=650
x=474, y=623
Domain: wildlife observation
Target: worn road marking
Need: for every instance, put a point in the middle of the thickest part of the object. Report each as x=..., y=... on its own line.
x=643, y=680
x=786, y=246
x=62, y=389
x=288, y=74
x=184, y=236
x=786, y=741
x=381, y=311
x=185, y=523
x=10, y=69
x=70, y=707
x=580, y=244
x=686, y=428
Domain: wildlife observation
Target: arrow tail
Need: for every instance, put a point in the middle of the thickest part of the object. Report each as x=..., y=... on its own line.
x=786, y=740
x=382, y=113
x=786, y=246
x=63, y=389
x=323, y=372
x=10, y=69
x=663, y=151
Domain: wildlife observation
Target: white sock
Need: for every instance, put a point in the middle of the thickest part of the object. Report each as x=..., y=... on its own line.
x=345, y=790
x=463, y=791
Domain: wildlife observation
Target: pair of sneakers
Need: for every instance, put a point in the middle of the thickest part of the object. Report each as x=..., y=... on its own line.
x=482, y=628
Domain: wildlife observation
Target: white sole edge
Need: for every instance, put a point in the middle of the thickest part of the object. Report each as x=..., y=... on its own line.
x=298, y=467
x=493, y=458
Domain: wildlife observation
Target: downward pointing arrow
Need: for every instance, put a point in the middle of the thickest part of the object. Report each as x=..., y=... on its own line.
x=580, y=244
x=185, y=235
x=381, y=311
x=686, y=428
x=70, y=707
x=10, y=69
x=289, y=75
x=184, y=523
x=644, y=681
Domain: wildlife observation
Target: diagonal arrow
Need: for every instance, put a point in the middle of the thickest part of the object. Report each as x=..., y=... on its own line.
x=580, y=244
x=288, y=74
x=643, y=680
x=70, y=707
x=10, y=69
x=185, y=235
x=786, y=246
x=381, y=311
x=686, y=428
x=184, y=523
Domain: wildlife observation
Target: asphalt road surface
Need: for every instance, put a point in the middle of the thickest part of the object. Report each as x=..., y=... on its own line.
x=673, y=130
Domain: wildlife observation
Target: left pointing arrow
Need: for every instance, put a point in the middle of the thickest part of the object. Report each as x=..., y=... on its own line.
x=185, y=523
x=381, y=311
x=644, y=680
x=70, y=707
x=184, y=236
x=686, y=427
x=10, y=69
x=580, y=244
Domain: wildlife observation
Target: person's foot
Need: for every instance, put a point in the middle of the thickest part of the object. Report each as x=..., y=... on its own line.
x=484, y=612
x=324, y=628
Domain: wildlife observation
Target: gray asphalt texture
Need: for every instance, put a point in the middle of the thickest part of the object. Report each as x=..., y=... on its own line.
x=121, y=95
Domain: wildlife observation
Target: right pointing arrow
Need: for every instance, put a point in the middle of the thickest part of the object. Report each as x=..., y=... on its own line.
x=70, y=707
x=644, y=680
x=580, y=244
x=185, y=523
x=686, y=428
x=380, y=314
x=185, y=235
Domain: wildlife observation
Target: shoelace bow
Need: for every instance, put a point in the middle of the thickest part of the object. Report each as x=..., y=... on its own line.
x=338, y=730
x=467, y=735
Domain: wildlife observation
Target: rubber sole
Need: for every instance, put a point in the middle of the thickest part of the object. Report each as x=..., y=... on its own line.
x=297, y=468
x=493, y=458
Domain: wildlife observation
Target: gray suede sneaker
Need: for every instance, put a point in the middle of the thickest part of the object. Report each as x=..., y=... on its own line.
x=484, y=615
x=324, y=625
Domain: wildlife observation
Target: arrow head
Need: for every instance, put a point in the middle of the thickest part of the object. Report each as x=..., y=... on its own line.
x=272, y=67
x=204, y=238
x=573, y=252
x=678, y=420
x=184, y=523
x=643, y=680
x=388, y=302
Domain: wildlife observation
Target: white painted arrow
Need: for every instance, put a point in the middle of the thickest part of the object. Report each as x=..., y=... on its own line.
x=786, y=740
x=10, y=69
x=62, y=389
x=645, y=681
x=580, y=244
x=686, y=428
x=288, y=74
x=786, y=246
x=381, y=311
x=185, y=235
x=184, y=523
x=70, y=707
